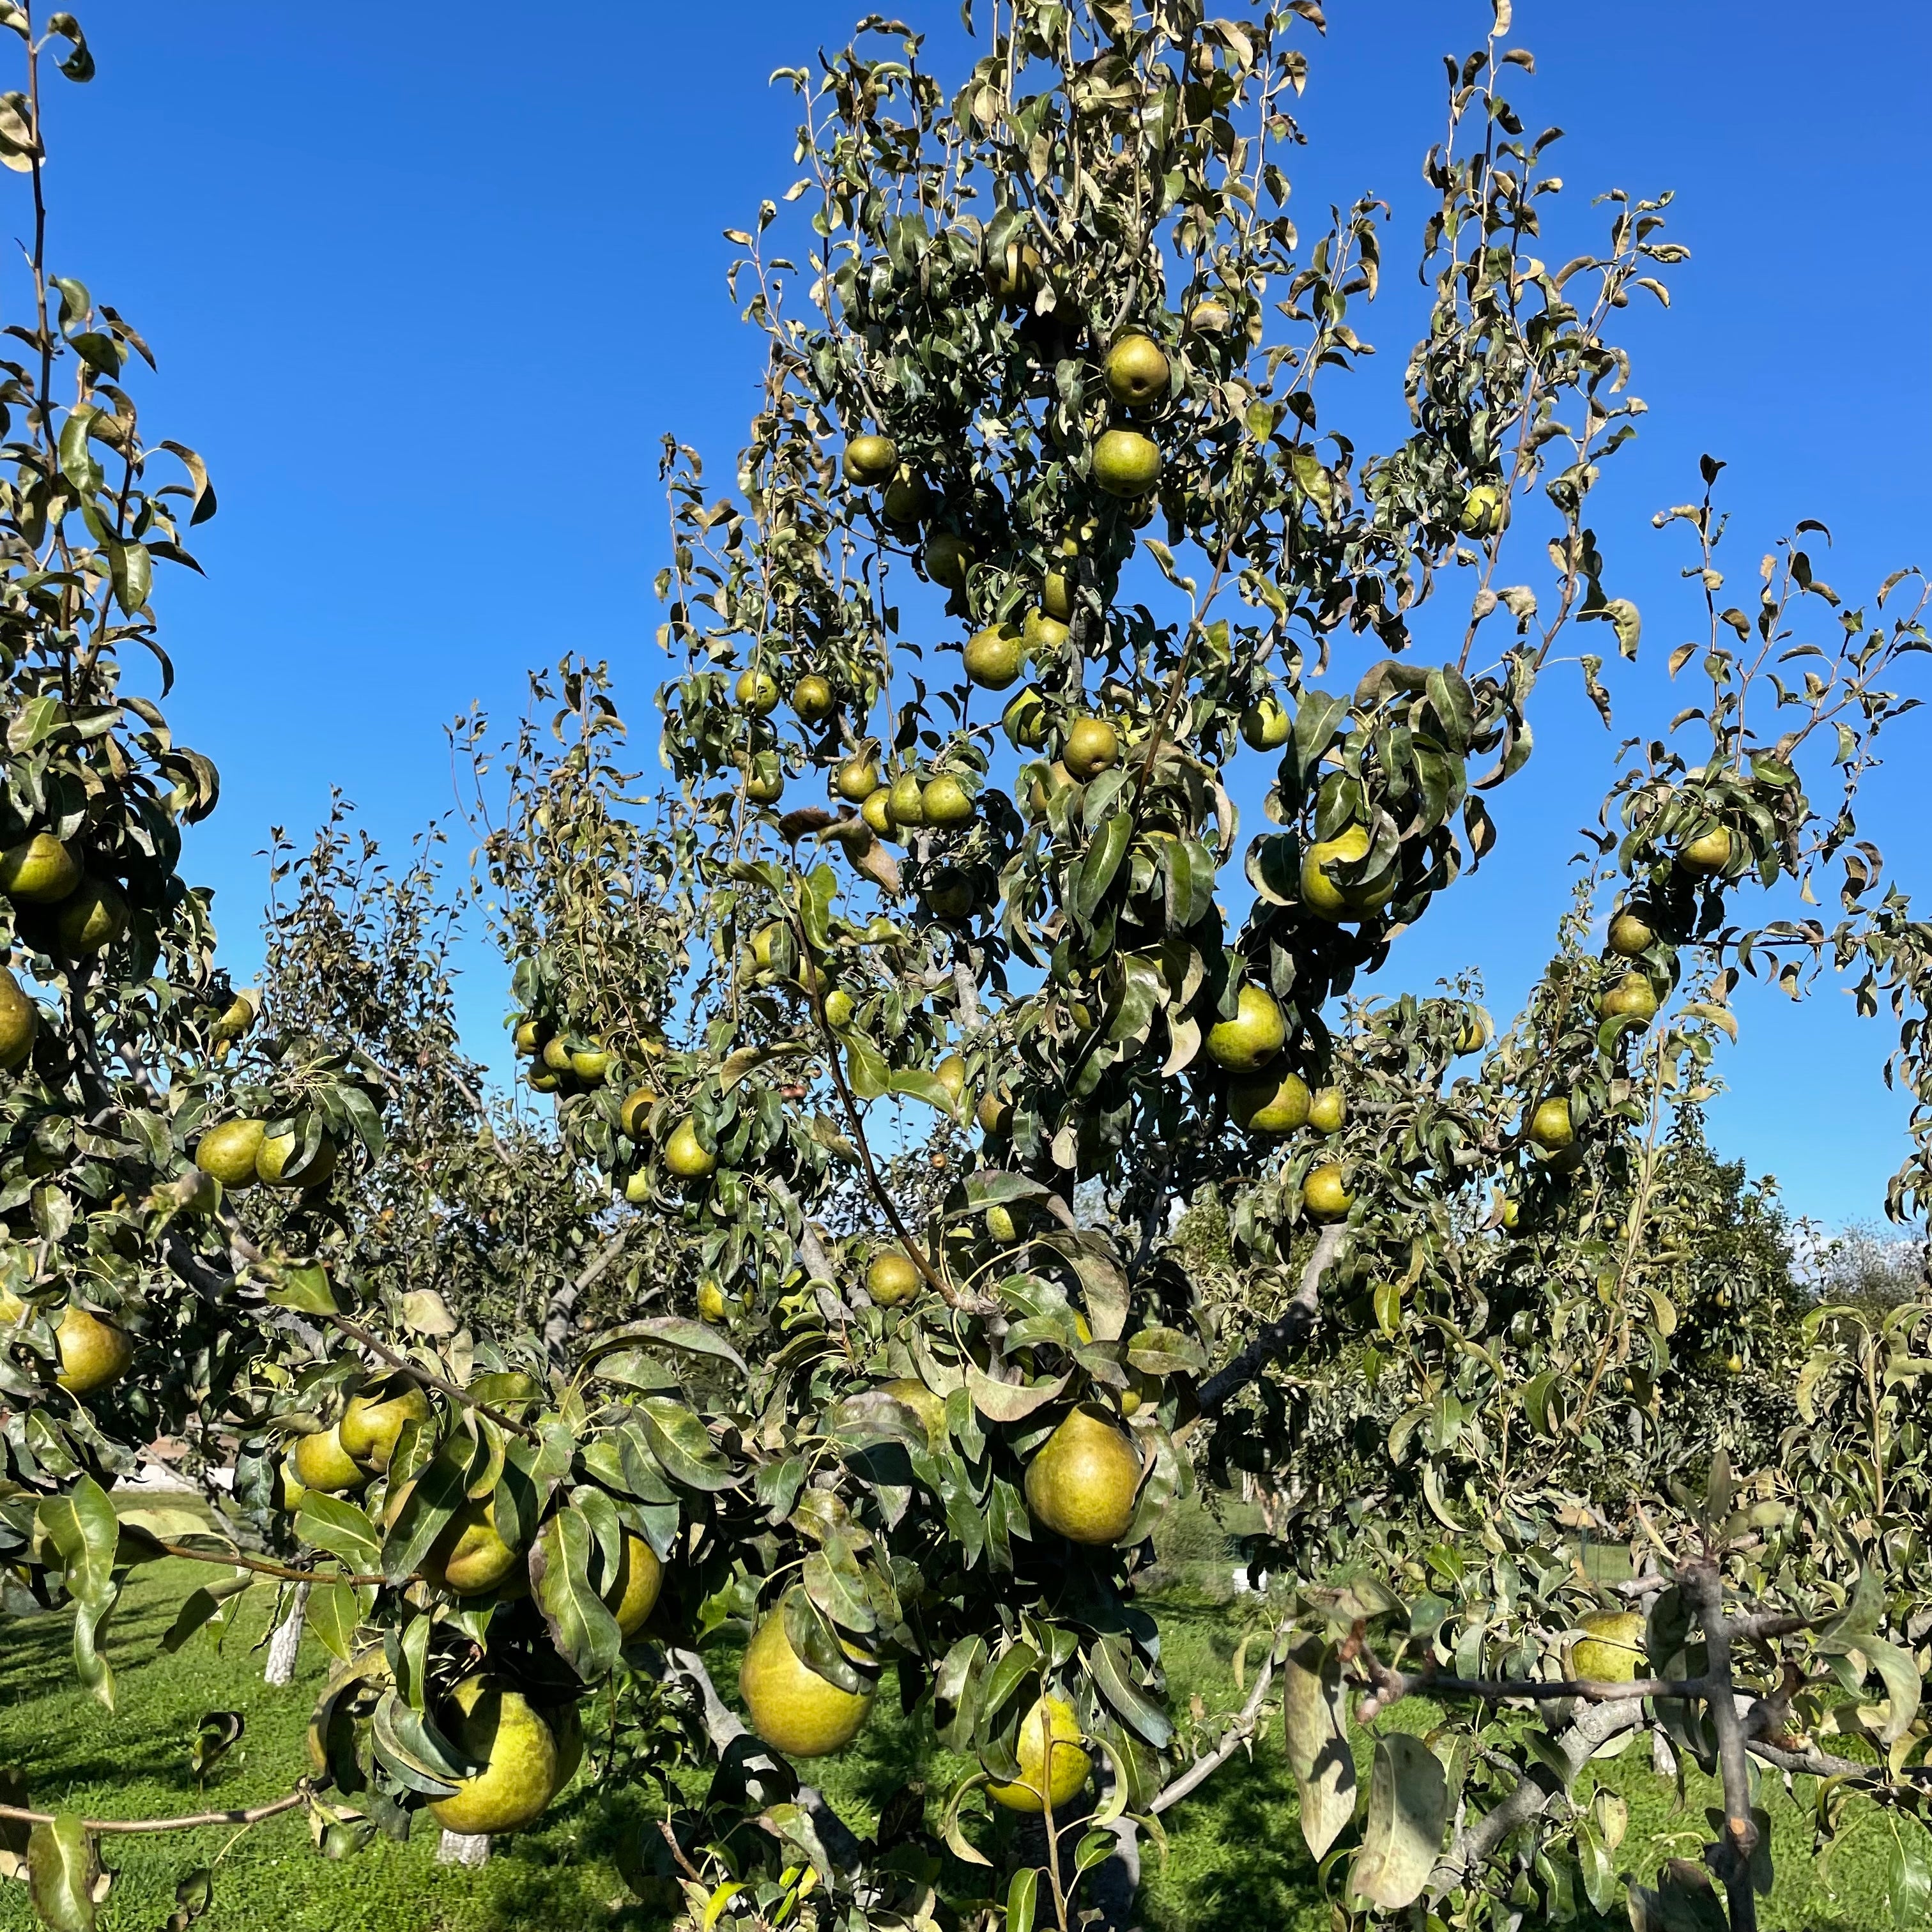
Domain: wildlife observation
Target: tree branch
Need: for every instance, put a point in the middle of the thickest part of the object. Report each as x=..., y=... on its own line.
x=1240, y=1732
x=1730, y=1858
x=356, y=1333
x=253, y=1816
x=1294, y=1325
x=724, y=1727
x=1537, y=1789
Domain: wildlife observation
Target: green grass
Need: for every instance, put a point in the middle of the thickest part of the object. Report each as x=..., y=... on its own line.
x=1236, y=1859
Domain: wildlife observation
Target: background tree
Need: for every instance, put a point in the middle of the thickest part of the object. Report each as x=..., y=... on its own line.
x=871, y=1406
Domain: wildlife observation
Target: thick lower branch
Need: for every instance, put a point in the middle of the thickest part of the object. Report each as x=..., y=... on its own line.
x=1241, y=1733
x=1294, y=1326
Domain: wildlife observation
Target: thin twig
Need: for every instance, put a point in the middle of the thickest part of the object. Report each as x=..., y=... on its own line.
x=193, y=1821
x=356, y=1333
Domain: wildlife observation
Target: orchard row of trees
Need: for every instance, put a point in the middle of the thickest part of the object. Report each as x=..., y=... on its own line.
x=706, y=1344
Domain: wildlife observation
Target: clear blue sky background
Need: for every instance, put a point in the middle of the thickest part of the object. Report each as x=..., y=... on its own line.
x=426, y=294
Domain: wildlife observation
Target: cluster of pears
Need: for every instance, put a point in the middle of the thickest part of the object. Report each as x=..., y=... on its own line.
x=1266, y=1097
x=1125, y=462
x=93, y=1353
x=240, y=1152
x=560, y=1063
x=469, y=1559
x=78, y=915
x=1634, y=930
x=892, y=805
x=795, y=1710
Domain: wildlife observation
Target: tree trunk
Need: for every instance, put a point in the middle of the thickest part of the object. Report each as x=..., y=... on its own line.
x=284, y=1645
x=463, y=1848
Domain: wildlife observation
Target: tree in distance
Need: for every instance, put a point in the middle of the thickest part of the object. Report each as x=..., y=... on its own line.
x=791, y=1707
x=1082, y=1482
x=1053, y=1767
x=500, y=1729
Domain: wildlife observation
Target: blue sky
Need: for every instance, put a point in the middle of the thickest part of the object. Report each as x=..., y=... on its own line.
x=426, y=297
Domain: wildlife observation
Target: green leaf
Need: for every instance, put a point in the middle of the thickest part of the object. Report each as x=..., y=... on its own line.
x=580, y=1623
x=1009, y=1402
x=836, y=1583
x=1166, y=1351
x=132, y=569
x=1111, y=1672
x=1315, y=1720
x=200, y=1606
x=815, y=907
x=682, y=1444
x=1022, y=1898
x=436, y=1496
x=1408, y=1809
x=306, y=1289
x=672, y=1331
x=77, y=455
x=866, y=1070
x=1100, y=864
x=1908, y=1874
x=83, y=1526
x=334, y=1614
x=63, y=1872
x=815, y=1643
x=340, y=1528
x=413, y=1750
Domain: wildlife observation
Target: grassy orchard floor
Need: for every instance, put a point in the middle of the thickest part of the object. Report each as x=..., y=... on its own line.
x=1236, y=1858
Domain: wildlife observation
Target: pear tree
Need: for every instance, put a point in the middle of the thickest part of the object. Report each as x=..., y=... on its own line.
x=1049, y=539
